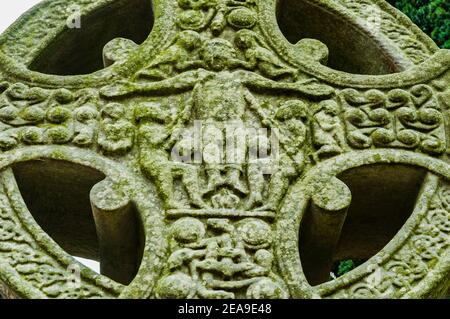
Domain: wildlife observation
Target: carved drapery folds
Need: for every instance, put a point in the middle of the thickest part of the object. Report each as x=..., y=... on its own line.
x=233, y=149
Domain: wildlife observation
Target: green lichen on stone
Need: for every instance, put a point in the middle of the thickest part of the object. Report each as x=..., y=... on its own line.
x=216, y=159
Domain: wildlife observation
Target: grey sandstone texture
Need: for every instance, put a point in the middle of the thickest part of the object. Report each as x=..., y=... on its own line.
x=223, y=149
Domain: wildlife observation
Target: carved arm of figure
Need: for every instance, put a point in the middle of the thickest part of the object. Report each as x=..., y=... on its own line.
x=181, y=82
x=259, y=57
x=237, y=63
x=268, y=63
x=254, y=106
x=308, y=88
x=180, y=55
x=240, y=3
x=251, y=62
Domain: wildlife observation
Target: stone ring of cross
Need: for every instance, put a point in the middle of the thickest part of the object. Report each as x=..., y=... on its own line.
x=223, y=149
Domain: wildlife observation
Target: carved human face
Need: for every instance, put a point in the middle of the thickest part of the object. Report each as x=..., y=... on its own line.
x=217, y=55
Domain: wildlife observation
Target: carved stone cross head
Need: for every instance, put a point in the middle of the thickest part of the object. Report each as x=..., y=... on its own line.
x=223, y=149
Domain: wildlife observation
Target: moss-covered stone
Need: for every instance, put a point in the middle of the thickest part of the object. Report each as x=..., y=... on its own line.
x=243, y=150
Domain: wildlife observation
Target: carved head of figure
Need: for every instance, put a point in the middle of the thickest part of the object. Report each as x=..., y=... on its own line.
x=190, y=40
x=218, y=54
x=245, y=39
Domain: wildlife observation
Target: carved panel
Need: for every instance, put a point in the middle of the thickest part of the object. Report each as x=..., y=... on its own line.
x=218, y=138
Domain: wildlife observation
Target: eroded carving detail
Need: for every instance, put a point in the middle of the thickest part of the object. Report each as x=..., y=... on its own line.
x=405, y=38
x=410, y=119
x=51, y=17
x=218, y=108
x=224, y=123
x=20, y=252
x=37, y=116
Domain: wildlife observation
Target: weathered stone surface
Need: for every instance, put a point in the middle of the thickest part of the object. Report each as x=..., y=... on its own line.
x=216, y=159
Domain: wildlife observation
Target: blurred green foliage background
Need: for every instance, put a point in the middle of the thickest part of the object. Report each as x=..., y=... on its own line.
x=432, y=16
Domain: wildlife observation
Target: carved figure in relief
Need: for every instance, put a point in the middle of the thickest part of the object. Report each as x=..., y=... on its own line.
x=328, y=135
x=219, y=94
x=181, y=56
x=290, y=121
x=261, y=163
x=154, y=132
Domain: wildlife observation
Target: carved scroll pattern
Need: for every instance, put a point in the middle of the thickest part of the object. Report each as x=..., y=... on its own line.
x=52, y=17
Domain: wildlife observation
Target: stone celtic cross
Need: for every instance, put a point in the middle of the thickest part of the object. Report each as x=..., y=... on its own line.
x=225, y=149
